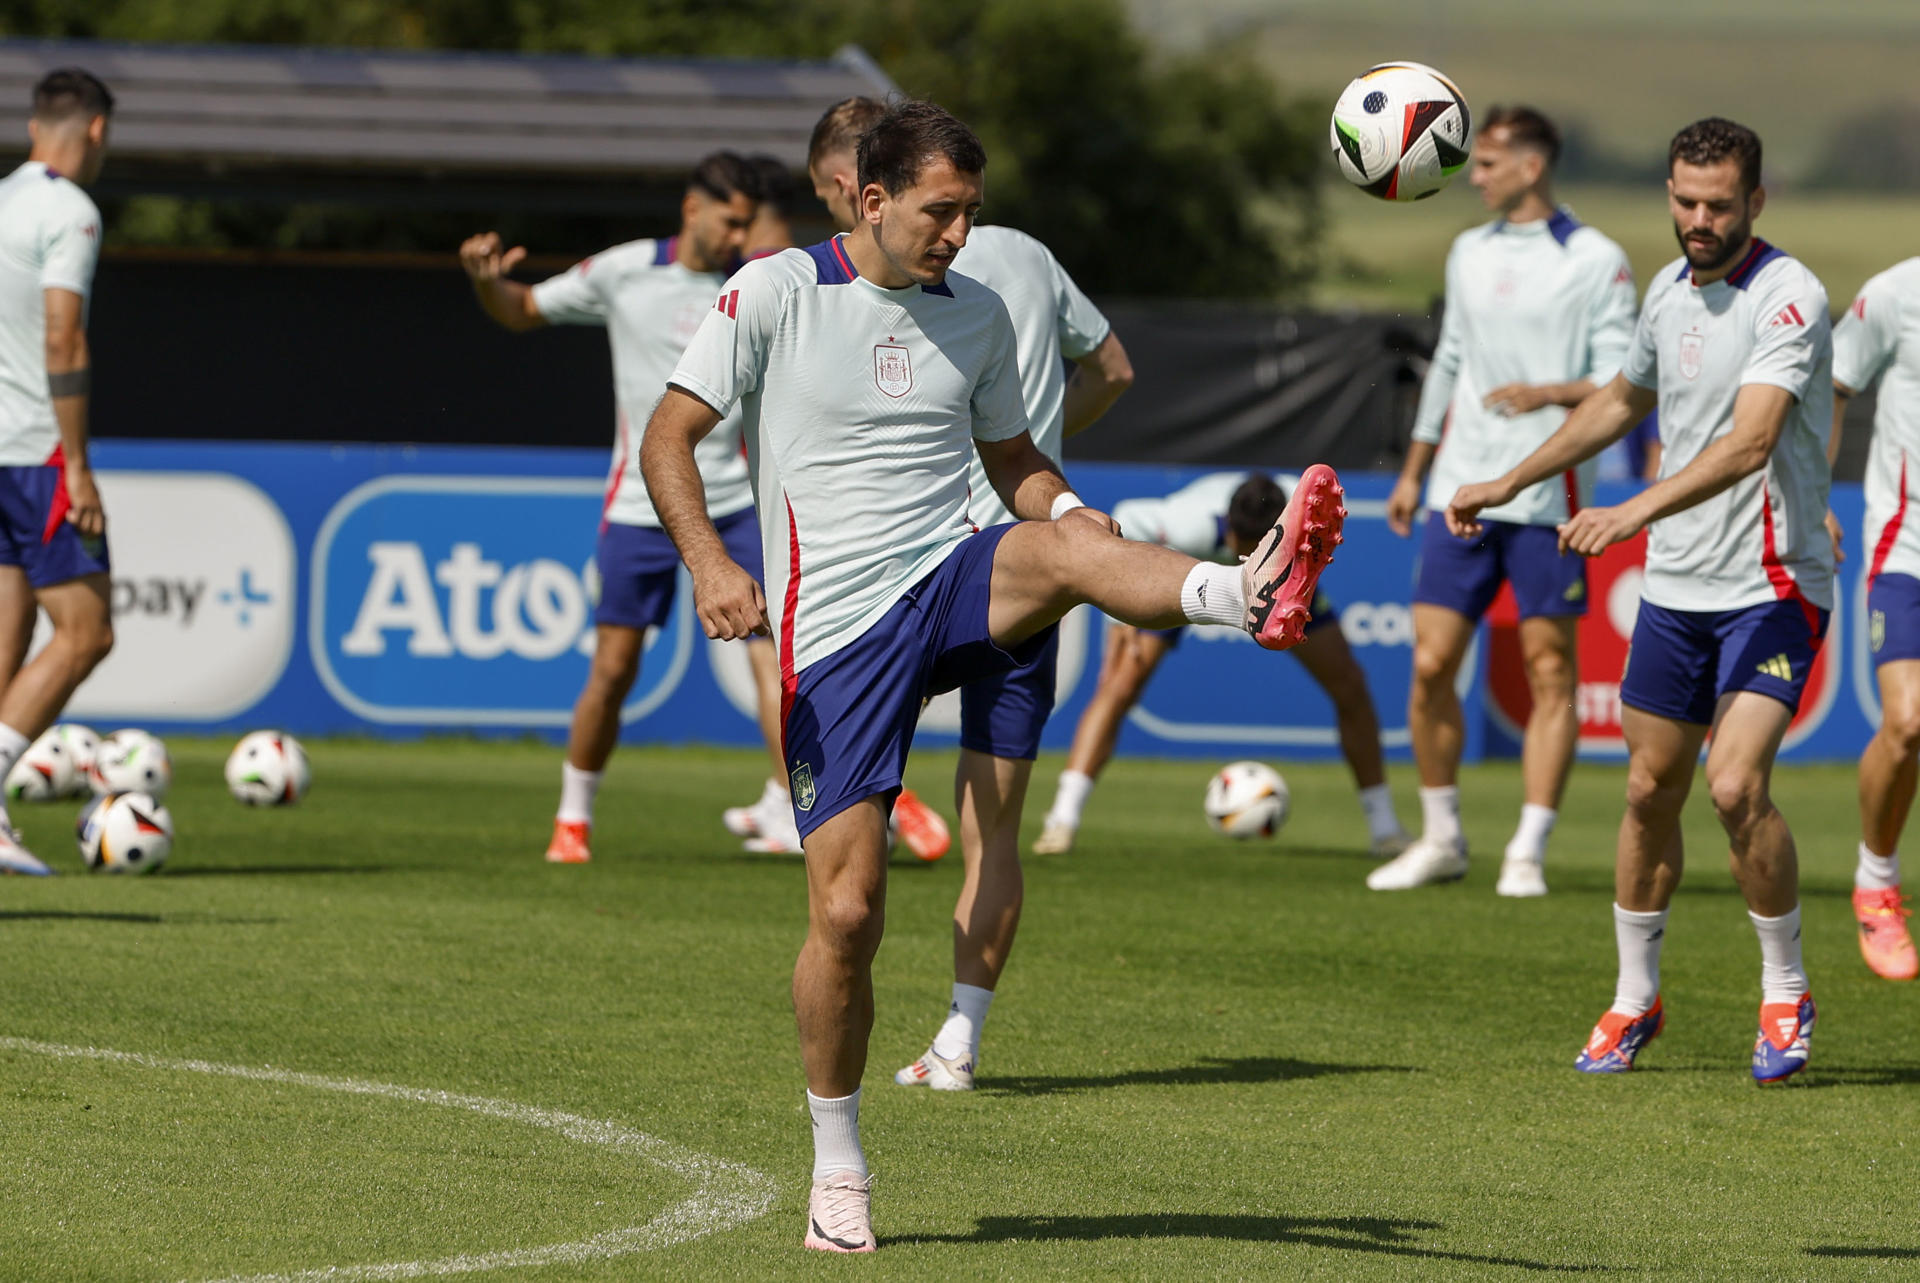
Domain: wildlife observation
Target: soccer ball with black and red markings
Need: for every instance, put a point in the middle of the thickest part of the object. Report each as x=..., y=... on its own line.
x=124, y=833
x=269, y=768
x=131, y=761
x=1401, y=131
x=1247, y=800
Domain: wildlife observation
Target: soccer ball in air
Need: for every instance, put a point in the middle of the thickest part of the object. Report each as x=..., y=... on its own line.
x=124, y=833
x=44, y=773
x=1246, y=800
x=268, y=768
x=131, y=761
x=1401, y=131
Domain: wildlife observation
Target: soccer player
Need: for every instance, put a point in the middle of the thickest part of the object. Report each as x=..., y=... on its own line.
x=651, y=296
x=1734, y=344
x=1001, y=716
x=53, y=530
x=1539, y=309
x=772, y=227
x=870, y=373
x=1879, y=338
x=1219, y=517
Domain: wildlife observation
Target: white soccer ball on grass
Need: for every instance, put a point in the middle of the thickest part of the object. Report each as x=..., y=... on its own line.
x=124, y=833
x=269, y=768
x=131, y=761
x=1247, y=800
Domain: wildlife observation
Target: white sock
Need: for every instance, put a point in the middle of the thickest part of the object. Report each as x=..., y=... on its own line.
x=577, y=790
x=1530, y=838
x=1876, y=872
x=12, y=745
x=1440, y=813
x=961, y=1033
x=1782, y=978
x=775, y=791
x=1639, y=937
x=1213, y=594
x=1377, y=803
x=836, y=1136
x=1070, y=798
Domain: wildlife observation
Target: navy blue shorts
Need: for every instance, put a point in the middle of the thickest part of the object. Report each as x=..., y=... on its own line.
x=1324, y=613
x=849, y=717
x=1003, y=714
x=639, y=566
x=1682, y=661
x=1464, y=575
x=1893, y=618
x=35, y=534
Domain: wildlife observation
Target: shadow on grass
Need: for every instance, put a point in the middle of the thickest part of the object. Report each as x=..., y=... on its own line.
x=1868, y=1253
x=1211, y=1071
x=269, y=870
x=1340, y=1233
x=17, y=915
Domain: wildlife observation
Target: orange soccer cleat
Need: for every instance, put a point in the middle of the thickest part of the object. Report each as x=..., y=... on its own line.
x=920, y=827
x=570, y=843
x=1884, y=941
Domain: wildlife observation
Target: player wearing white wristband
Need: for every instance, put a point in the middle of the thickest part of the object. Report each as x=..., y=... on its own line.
x=880, y=587
x=1001, y=715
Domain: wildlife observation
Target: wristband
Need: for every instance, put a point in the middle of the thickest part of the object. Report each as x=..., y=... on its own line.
x=1063, y=503
x=69, y=382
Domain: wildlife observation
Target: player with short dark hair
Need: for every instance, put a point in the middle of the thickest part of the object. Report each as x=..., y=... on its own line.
x=53, y=529
x=1539, y=309
x=651, y=296
x=1734, y=346
x=1219, y=517
x=870, y=372
x=772, y=227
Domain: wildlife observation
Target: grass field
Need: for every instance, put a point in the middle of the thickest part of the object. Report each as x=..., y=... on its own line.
x=1209, y=1059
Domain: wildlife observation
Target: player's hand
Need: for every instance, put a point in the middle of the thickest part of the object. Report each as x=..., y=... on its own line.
x=1402, y=504
x=1838, y=535
x=1517, y=398
x=84, y=512
x=1463, y=511
x=1094, y=515
x=729, y=602
x=1594, y=530
x=484, y=258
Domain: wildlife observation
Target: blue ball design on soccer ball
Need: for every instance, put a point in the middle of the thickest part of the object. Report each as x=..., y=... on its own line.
x=1375, y=103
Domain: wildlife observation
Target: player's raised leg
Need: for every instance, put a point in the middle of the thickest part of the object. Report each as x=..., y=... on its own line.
x=1441, y=636
x=1662, y=753
x=1127, y=665
x=1888, y=769
x=1331, y=663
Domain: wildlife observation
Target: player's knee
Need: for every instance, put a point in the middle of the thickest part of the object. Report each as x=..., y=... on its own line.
x=1648, y=794
x=1432, y=668
x=1550, y=675
x=851, y=920
x=1901, y=726
x=1739, y=796
x=614, y=668
x=88, y=638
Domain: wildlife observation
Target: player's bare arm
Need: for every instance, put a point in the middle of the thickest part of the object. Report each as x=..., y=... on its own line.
x=1524, y=398
x=729, y=602
x=1097, y=381
x=1595, y=424
x=1759, y=415
x=1405, y=499
x=487, y=262
x=68, y=370
x=1028, y=482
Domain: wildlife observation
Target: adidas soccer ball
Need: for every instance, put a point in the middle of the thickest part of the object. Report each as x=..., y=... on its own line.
x=1401, y=131
x=268, y=768
x=82, y=742
x=124, y=833
x=131, y=761
x=1246, y=800
x=44, y=773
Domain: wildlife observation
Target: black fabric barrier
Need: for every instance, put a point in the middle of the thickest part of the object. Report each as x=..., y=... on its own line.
x=350, y=350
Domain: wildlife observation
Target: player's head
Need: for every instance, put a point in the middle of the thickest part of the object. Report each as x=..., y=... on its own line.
x=1513, y=155
x=71, y=108
x=772, y=227
x=1713, y=190
x=1255, y=506
x=922, y=174
x=832, y=155
x=722, y=193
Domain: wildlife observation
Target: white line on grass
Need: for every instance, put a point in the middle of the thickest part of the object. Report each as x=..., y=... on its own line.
x=725, y=1194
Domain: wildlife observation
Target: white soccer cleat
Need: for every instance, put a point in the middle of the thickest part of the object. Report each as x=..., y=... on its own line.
x=1424, y=862
x=936, y=1071
x=748, y=821
x=778, y=833
x=1521, y=878
x=15, y=858
x=1392, y=844
x=840, y=1214
x=1056, y=838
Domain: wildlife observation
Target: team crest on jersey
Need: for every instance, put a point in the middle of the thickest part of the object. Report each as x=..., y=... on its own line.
x=1693, y=349
x=804, y=795
x=892, y=369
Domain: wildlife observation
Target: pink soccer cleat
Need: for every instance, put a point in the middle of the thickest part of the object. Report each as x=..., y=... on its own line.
x=1280, y=577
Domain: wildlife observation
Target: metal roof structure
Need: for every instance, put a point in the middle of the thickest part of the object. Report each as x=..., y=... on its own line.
x=294, y=122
